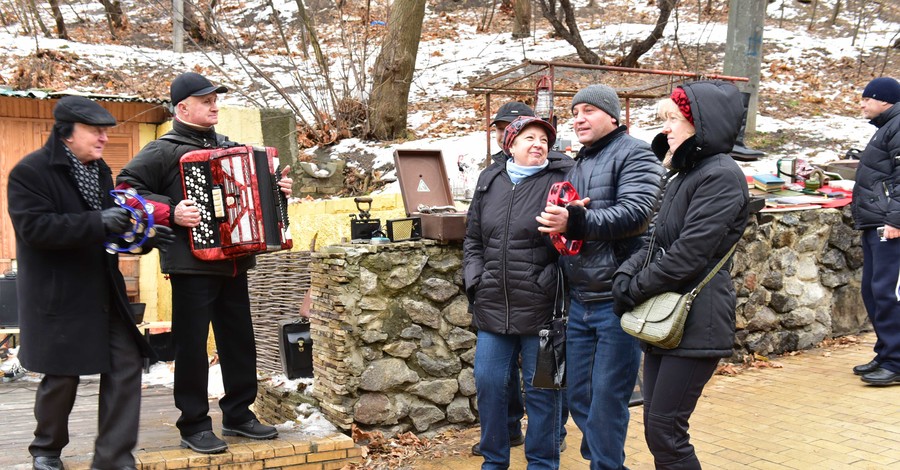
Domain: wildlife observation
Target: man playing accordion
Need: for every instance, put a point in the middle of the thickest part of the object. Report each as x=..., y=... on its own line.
x=202, y=291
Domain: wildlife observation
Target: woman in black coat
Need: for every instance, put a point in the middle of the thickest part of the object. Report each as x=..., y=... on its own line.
x=511, y=278
x=702, y=215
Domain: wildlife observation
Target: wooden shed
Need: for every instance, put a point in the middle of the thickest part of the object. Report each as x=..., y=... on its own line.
x=26, y=119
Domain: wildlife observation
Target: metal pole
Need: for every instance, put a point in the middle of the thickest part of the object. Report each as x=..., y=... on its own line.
x=178, y=25
x=743, y=48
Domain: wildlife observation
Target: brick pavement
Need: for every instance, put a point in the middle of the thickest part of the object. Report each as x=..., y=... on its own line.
x=812, y=413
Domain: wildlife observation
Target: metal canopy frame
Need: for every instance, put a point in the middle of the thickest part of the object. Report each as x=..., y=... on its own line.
x=569, y=77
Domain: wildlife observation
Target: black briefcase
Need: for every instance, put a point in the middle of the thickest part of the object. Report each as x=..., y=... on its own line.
x=295, y=348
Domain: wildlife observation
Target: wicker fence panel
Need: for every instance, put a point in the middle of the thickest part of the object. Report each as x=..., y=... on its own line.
x=277, y=287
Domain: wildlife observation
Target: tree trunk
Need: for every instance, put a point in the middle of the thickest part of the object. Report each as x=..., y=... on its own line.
x=60, y=22
x=522, y=20
x=115, y=17
x=37, y=18
x=639, y=48
x=393, y=70
x=564, y=25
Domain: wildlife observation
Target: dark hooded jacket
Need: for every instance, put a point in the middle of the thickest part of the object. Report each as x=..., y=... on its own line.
x=156, y=174
x=68, y=285
x=876, y=194
x=703, y=213
x=622, y=177
x=509, y=266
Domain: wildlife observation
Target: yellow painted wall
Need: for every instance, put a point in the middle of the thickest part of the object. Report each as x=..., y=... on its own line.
x=328, y=221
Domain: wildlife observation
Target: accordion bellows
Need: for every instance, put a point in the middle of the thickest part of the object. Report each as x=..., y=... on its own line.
x=242, y=209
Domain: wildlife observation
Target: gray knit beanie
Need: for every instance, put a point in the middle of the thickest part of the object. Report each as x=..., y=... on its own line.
x=601, y=96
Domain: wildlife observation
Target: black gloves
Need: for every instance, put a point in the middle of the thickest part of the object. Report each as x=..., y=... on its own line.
x=161, y=240
x=116, y=220
x=622, y=300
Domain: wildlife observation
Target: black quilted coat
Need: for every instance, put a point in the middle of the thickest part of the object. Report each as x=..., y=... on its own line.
x=703, y=213
x=876, y=195
x=622, y=177
x=509, y=266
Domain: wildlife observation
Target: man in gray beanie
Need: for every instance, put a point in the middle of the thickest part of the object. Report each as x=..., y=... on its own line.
x=876, y=204
x=618, y=178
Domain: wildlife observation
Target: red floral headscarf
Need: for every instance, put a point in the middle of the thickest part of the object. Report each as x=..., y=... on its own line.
x=684, y=105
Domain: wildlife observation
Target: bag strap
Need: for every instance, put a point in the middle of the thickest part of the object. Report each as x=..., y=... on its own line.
x=713, y=271
x=560, y=309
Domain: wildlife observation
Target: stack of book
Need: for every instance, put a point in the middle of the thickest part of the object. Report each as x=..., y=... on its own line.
x=767, y=182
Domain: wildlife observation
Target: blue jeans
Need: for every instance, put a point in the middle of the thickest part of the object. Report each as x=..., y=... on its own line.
x=602, y=363
x=494, y=356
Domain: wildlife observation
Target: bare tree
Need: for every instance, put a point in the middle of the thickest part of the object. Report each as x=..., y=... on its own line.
x=198, y=19
x=37, y=18
x=60, y=21
x=522, y=20
x=115, y=17
x=561, y=15
x=393, y=71
x=639, y=48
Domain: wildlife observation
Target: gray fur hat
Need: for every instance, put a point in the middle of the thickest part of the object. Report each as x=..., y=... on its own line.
x=601, y=96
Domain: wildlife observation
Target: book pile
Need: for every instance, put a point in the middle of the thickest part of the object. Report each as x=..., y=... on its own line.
x=767, y=182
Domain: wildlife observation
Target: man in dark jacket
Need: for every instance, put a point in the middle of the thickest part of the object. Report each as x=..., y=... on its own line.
x=202, y=291
x=876, y=203
x=73, y=310
x=618, y=178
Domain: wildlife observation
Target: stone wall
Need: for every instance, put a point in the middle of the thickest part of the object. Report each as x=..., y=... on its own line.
x=394, y=346
x=797, y=277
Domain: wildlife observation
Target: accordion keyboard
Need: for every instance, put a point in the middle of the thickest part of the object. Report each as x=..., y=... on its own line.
x=197, y=180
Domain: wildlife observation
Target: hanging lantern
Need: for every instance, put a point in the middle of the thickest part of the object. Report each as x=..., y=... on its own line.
x=543, y=98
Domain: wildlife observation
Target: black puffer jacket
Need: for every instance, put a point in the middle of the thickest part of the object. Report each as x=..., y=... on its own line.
x=622, y=177
x=876, y=195
x=703, y=213
x=155, y=174
x=509, y=266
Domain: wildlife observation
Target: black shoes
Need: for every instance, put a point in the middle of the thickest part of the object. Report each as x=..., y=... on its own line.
x=205, y=442
x=863, y=369
x=881, y=376
x=47, y=463
x=514, y=442
x=252, y=429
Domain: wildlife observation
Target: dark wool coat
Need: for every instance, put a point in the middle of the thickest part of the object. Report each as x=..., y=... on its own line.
x=156, y=174
x=622, y=177
x=509, y=266
x=876, y=194
x=703, y=213
x=67, y=284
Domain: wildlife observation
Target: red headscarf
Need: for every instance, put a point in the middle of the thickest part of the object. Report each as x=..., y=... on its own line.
x=684, y=105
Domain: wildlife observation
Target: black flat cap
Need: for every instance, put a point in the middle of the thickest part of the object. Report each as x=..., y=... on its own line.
x=509, y=112
x=83, y=110
x=192, y=84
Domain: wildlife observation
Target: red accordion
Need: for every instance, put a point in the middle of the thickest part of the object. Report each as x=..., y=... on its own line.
x=242, y=209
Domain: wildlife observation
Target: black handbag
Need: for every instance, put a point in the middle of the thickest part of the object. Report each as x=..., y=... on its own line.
x=295, y=348
x=550, y=368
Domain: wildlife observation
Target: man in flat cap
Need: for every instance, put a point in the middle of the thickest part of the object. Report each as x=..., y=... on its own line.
x=876, y=203
x=74, y=314
x=202, y=291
